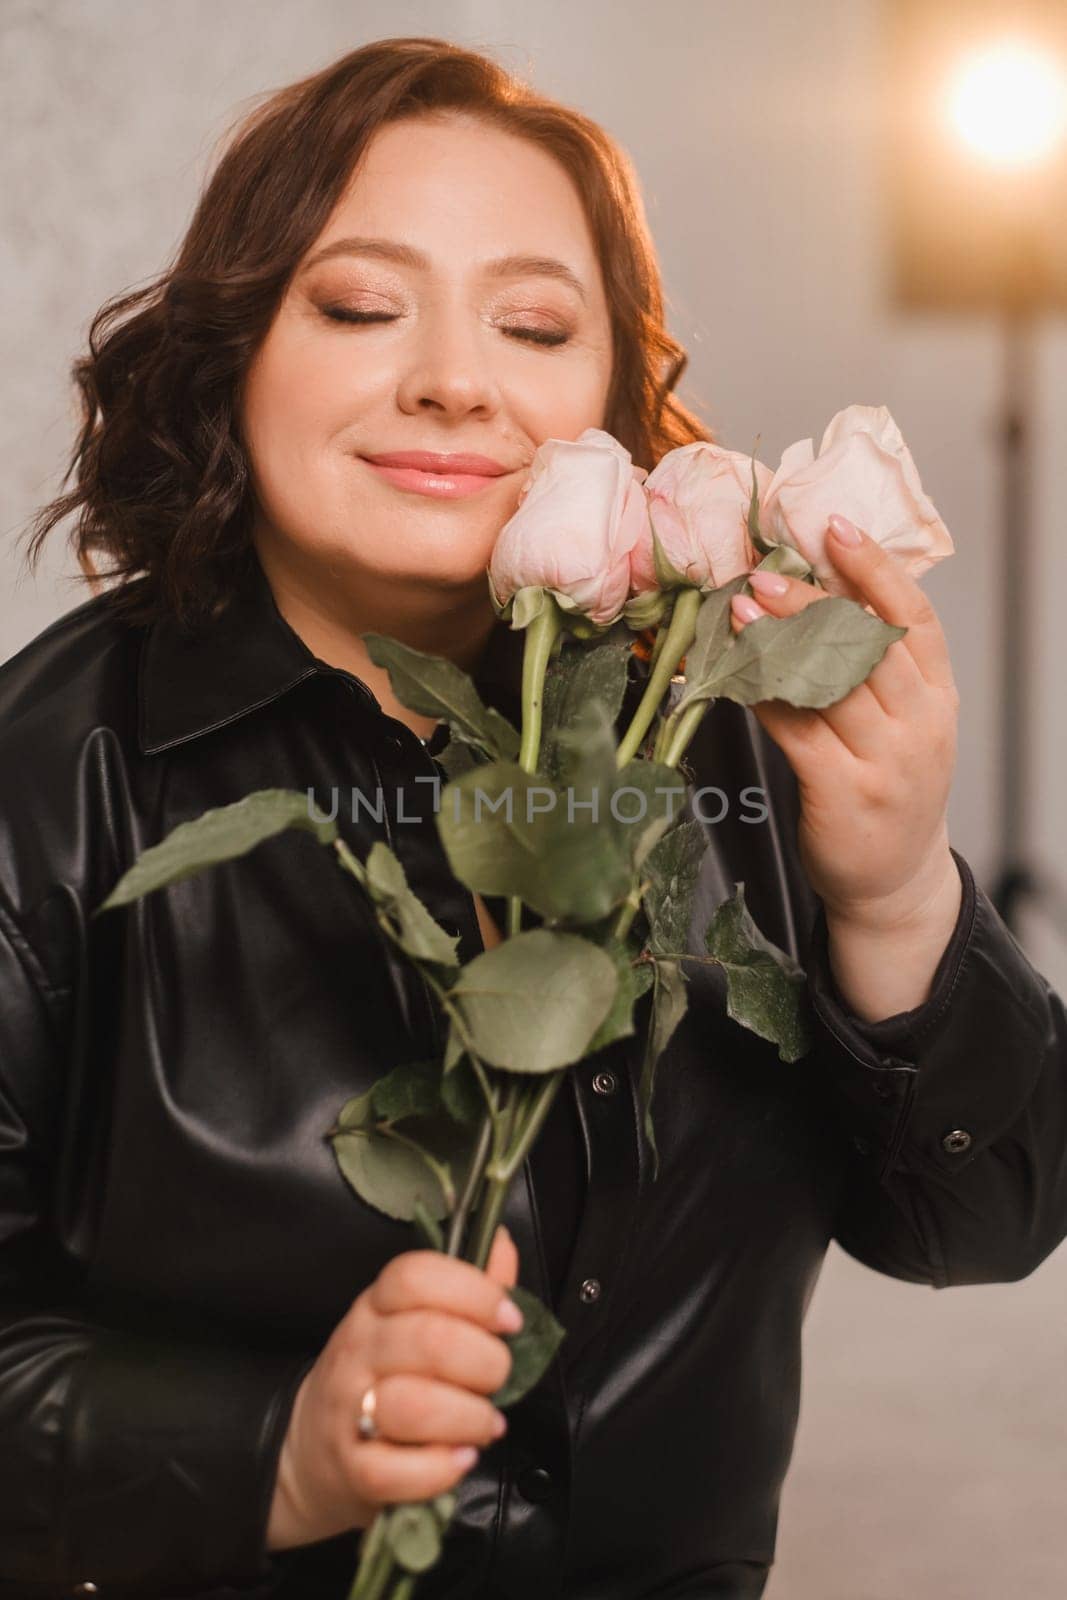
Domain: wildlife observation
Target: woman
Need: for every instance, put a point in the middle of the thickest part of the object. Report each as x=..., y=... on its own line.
x=410, y=252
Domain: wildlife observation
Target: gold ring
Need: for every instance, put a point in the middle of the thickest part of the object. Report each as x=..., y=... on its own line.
x=368, y=1427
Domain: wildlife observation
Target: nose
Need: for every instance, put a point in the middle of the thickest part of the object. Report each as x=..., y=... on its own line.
x=449, y=370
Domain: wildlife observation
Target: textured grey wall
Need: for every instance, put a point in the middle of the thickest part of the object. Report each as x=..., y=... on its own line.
x=934, y=1428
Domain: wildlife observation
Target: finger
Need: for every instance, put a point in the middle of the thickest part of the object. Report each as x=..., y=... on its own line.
x=806, y=738
x=858, y=718
x=430, y=1278
x=440, y=1346
x=392, y=1474
x=411, y=1409
x=885, y=583
x=895, y=681
x=503, y=1263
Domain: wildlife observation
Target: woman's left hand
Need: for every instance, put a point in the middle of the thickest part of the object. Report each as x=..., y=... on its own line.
x=874, y=769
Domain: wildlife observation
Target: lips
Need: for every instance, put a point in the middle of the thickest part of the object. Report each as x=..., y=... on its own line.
x=442, y=477
x=442, y=466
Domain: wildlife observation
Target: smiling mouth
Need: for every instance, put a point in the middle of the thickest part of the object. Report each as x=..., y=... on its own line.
x=442, y=484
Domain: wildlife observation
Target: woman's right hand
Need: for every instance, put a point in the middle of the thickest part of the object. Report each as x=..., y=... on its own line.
x=426, y=1334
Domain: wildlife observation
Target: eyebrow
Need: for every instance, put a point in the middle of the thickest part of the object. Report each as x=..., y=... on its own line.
x=406, y=255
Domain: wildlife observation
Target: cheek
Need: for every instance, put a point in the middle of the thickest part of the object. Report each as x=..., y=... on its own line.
x=303, y=391
x=562, y=402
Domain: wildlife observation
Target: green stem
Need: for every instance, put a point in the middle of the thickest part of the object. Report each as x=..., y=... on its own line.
x=679, y=729
x=495, y=1191
x=657, y=647
x=367, y=1585
x=530, y=1111
x=680, y=634
x=663, y=737
x=540, y=1105
x=458, y=1221
x=512, y=1095
x=630, y=907
x=541, y=636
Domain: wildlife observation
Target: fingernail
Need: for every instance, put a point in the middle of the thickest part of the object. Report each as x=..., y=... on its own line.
x=747, y=608
x=500, y=1424
x=768, y=582
x=508, y=1316
x=844, y=530
x=464, y=1455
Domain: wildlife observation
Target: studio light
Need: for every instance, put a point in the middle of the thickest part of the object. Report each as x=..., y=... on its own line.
x=975, y=174
x=1008, y=103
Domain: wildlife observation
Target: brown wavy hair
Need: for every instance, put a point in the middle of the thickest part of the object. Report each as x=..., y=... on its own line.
x=162, y=485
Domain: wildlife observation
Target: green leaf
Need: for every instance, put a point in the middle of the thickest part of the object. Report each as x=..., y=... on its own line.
x=411, y=1089
x=713, y=633
x=453, y=1054
x=673, y=865
x=532, y=1348
x=765, y=987
x=667, y=575
x=217, y=835
x=506, y=832
x=410, y=924
x=568, y=847
x=783, y=558
x=436, y=687
x=664, y=792
x=669, y=1004
x=644, y=977
x=444, y=1505
x=812, y=658
x=527, y=604
x=461, y=1093
x=642, y=610
x=390, y=1170
x=413, y=1534
x=533, y=1002
x=633, y=979
x=398, y=1147
x=429, y=1228
x=457, y=758
x=755, y=533
x=581, y=676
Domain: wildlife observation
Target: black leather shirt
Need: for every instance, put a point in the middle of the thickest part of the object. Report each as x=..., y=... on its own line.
x=176, y=1240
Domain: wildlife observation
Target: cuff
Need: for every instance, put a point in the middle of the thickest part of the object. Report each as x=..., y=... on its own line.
x=896, y=1034
x=929, y=1089
x=172, y=1456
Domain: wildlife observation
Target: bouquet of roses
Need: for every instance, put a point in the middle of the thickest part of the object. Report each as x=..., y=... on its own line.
x=580, y=829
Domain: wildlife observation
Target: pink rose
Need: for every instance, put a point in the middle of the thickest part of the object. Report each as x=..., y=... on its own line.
x=699, y=496
x=580, y=512
x=865, y=471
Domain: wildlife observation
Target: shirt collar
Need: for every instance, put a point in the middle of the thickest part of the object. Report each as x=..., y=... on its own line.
x=190, y=684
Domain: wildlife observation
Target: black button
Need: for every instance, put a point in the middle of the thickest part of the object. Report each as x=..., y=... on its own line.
x=861, y=1145
x=534, y=1484
x=884, y=1091
x=956, y=1142
x=605, y=1083
x=590, y=1290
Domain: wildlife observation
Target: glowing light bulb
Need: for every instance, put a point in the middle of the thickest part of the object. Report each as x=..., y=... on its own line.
x=1009, y=103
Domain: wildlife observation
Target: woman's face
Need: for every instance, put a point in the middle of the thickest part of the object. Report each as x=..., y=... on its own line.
x=461, y=346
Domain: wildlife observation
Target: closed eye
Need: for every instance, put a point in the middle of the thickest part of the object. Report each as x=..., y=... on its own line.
x=532, y=335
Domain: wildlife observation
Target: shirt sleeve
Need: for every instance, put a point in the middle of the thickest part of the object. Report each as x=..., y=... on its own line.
x=127, y=1459
x=955, y=1112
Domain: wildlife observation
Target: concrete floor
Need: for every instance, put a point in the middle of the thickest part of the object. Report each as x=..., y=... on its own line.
x=931, y=1457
